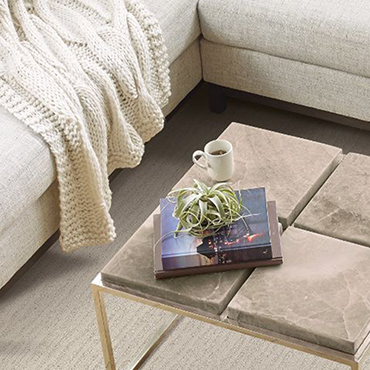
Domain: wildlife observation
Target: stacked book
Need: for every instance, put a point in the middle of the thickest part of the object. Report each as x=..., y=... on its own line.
x=252, y=241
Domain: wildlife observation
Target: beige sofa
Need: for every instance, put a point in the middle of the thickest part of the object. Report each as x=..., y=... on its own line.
x=310, y=53
x=29, y=212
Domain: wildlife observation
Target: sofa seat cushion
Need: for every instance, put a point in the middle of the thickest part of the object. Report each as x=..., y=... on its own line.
x=179, y=22
x=26, y=168
x=331, y=33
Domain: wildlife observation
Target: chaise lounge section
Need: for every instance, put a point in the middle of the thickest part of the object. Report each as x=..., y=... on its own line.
x=309, y=53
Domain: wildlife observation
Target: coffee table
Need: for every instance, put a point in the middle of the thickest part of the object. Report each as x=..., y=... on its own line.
x=292, y=170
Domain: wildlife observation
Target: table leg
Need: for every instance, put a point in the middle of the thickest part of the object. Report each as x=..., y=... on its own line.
x=101, y=315
x=168, y=324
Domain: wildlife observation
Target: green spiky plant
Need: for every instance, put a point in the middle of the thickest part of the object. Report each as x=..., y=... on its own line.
x=203, y=209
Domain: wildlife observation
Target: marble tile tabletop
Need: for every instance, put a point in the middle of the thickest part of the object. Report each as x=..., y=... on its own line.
x=132, y=267
x=341, y=208
x=291, y=169
x=321, y=294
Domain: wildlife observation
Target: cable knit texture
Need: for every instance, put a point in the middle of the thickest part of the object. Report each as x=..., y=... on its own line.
x=90, y=77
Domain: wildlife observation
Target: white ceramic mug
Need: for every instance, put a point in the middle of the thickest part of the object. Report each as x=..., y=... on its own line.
x=219, y=166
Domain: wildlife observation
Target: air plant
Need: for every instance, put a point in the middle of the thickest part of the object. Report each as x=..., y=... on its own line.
x=203, y=209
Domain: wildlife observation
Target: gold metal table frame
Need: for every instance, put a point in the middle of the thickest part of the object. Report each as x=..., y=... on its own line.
x=99, y=287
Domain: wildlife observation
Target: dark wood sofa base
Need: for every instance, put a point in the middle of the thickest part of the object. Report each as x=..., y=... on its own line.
x=218, y=102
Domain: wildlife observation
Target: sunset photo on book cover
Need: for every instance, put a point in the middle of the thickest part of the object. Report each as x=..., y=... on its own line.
x=245, y=239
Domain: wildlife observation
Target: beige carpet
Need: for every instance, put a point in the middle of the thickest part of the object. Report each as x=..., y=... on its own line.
x=47, y=319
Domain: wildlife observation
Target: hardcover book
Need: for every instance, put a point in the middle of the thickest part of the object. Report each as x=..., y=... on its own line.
x=246, y=239
x=201, y=265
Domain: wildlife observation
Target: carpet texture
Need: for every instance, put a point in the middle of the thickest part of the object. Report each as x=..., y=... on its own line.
x=47, y=319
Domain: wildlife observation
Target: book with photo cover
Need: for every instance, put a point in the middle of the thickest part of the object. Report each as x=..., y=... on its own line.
x=245, y=239
x=196, y=265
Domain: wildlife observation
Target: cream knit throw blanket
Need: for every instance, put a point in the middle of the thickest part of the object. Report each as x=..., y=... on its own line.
x=90, y=77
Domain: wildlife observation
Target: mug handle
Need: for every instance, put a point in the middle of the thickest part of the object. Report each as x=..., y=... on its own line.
x=199, y=153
